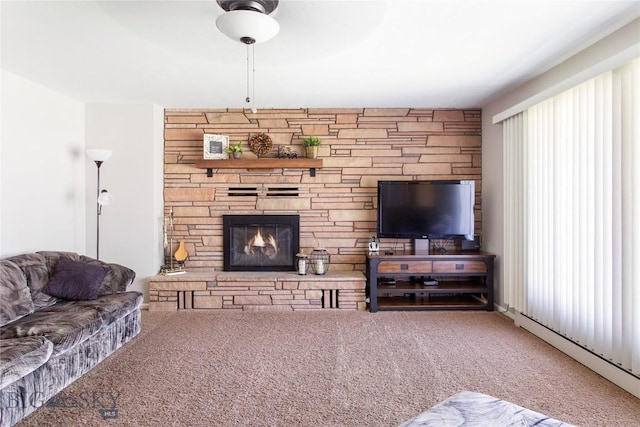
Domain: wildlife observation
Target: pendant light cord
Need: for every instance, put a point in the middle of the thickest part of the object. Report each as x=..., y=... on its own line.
x=248, y=98
x=251, y=77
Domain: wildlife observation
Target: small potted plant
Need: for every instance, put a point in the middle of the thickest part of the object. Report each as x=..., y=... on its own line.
x=235, y=150
x=311, y=144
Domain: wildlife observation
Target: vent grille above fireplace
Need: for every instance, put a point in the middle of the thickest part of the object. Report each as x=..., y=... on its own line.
x=282, y=192
x=243, y=191
x=262, y=191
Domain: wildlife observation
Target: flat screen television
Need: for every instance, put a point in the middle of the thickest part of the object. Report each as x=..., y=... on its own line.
x=426, y=209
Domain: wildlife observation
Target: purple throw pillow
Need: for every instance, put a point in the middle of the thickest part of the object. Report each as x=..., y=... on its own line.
x=74, y=280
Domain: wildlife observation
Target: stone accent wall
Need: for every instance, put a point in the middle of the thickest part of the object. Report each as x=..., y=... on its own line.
x=337, y=207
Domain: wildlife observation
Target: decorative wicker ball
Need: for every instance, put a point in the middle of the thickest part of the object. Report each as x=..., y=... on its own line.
x=320, y=260
x=260, y=144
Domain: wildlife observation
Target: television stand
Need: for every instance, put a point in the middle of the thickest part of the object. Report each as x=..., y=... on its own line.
x=419, y=281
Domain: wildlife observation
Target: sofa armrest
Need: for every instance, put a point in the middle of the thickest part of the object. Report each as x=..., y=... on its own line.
x=118, y=279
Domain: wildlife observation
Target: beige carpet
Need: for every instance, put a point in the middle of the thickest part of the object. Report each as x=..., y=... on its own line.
x=329, y=369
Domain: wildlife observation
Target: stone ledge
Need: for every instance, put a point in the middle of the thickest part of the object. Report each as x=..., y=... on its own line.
x=257, y=290
x=206, y=277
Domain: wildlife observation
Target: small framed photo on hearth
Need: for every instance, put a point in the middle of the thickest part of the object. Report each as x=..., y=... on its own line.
x=215, y=146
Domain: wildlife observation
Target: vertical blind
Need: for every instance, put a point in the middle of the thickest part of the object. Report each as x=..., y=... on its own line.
x=514, y=255
x=572, y=192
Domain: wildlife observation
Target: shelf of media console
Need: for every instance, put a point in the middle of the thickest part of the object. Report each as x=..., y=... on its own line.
x=400, y=287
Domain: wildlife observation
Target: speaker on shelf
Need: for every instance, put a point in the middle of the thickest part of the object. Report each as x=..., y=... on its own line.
x=471, y=245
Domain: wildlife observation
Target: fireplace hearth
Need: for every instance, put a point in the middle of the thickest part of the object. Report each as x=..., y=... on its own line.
x=260, y=242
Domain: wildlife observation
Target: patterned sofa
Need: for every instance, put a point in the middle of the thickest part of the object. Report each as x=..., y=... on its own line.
x=60, y=315
x=469, y=408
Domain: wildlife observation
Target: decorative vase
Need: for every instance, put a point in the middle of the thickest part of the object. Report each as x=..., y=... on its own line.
x=237, y=154
x=312, y=151
x=181, y=254
x=319, y=261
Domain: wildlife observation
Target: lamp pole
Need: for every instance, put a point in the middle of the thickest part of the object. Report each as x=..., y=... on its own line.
x=99, y=156
x=98, y=163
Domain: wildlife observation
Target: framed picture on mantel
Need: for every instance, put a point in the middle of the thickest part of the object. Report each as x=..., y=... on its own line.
x=215, y=146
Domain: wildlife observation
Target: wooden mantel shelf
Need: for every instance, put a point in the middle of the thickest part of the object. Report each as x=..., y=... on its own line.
x=270, y=163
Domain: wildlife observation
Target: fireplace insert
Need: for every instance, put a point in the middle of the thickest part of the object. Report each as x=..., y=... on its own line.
x=260, y=242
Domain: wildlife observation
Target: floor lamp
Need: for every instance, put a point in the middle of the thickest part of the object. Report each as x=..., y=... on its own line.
x=102, y=196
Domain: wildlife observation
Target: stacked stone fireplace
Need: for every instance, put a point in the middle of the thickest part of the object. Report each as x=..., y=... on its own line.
x=260, y=242
x=337, y=206
x=259, y=260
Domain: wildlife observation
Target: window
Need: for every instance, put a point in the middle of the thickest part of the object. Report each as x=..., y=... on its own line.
x=572, y=192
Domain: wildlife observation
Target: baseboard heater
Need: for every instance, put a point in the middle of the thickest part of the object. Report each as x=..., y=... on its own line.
x=606, y=368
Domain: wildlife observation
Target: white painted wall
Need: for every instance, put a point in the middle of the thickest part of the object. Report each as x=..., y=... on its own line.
x=130, y=228
x=42, y=184
x=48, y=187
x=612, y=51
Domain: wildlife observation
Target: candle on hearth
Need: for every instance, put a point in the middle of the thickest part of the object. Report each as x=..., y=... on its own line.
x=319, y=261
x=302, y=263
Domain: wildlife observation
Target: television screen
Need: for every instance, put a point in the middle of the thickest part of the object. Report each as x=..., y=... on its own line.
x=426, y=209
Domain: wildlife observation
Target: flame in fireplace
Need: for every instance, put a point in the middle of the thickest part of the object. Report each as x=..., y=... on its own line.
x=257, y=240
x=257, y=244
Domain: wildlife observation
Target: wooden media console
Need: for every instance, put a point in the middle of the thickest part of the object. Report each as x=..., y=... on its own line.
x=410, y=281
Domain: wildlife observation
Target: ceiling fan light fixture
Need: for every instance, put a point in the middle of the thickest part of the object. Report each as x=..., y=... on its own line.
x=248, y=22
x=248, y=26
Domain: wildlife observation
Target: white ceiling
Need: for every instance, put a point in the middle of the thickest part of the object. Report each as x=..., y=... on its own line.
x=349, y=53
